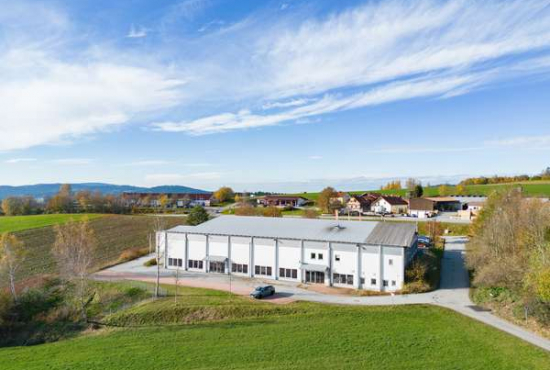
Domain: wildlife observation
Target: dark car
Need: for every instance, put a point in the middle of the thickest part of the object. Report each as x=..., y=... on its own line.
x=262, y=292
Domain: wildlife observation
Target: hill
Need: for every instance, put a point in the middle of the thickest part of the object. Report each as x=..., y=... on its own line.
x=46, y=190
x=214, y=330
x=530, y=188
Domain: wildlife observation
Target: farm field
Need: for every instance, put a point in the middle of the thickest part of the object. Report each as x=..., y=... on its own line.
x=530, y=188
x=114, y=233
x=212, y=330
x=19, y=223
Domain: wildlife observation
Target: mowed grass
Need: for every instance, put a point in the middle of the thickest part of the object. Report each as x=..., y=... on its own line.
x=19, y=223
x=212, y=330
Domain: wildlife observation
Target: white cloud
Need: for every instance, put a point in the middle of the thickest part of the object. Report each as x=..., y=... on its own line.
x=177, y=178
x=137, y=32
x=20, y=160
x=286, y=104
x=532, y=142
x=72, y=161
x=315, y=157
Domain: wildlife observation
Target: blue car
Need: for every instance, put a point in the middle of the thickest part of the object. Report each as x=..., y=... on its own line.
x=262, y=292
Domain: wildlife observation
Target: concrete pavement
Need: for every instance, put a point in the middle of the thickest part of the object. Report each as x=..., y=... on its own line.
x=452, y=294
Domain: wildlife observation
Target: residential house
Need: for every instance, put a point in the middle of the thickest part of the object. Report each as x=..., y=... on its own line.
x=283, y=201
x=390, y=204
x=361, y=203
x=422, y=207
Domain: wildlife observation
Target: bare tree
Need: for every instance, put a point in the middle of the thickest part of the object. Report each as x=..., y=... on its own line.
x=176, y=282
x=12, y=256
x=74, y=249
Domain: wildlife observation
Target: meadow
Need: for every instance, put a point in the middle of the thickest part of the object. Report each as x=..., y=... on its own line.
x=530, y=188
x=19, y=223
x=213, y=330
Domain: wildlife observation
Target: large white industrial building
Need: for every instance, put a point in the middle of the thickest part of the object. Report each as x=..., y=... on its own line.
x=360, y=254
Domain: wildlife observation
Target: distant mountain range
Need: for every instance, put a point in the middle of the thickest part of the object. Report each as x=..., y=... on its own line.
x=46, y=190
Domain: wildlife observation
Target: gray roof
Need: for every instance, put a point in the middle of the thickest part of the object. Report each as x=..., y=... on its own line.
x=356, y=232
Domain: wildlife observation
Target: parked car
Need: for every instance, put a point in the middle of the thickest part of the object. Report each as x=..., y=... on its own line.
x=262, y=292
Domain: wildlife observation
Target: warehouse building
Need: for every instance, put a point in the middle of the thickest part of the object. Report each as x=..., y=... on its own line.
x=359, y=254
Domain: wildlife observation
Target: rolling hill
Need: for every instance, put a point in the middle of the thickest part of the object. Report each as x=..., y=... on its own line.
x=45, y=190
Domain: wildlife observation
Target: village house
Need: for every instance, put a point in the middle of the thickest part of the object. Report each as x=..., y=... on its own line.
x=390, y=204
x=282, y=201
x=361, y=203
x=363, y=255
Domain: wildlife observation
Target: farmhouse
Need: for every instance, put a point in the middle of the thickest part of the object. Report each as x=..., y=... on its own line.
x=361, y=203
x=283, y=201
x=422, y=207
x=389, y=204
x=363, y=255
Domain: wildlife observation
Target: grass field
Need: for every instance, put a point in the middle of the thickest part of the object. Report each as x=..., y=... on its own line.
x=114, y=234
x=211, y=330
x=19, y=223
x=530, y=188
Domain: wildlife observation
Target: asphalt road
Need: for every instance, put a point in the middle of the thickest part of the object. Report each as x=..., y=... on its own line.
x=452, y=294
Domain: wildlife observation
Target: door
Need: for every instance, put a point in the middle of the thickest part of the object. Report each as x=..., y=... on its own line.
x=217, y=267
x=315, y=277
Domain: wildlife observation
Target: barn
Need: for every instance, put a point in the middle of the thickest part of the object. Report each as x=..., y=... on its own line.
x=359, y=254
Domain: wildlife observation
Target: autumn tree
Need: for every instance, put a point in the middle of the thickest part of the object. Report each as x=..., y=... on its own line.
x=443, y=190
x=62, y=202
x=411, y=183
x=12, y=256
x=461, y=189
x=325, y=197
x=224, y=194
x=197, y=216
x=74, y=251
x=164, y=200
x=12, y=206
x=245, y=209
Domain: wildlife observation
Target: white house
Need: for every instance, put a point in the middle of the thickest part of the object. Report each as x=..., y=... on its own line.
x=390, y=204
x=363, y=255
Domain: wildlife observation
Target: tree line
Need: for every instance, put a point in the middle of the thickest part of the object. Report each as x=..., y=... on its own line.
x=544, y=175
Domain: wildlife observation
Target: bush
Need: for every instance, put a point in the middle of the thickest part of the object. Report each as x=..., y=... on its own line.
x=132, y=254
x=151, y=262
x=197, y=216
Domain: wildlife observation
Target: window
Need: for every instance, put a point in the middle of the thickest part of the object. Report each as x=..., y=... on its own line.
x=372, y=281
x=312, y=256
x=342, y=279
x=263, y=270
x=288, y=273
x=320, y=256
x=362, y=281
x=194, y=264
x=393, y=283
x=385, y=283
x=337, y=257
x=240, y=268
x=390, y=262
x=176, y=262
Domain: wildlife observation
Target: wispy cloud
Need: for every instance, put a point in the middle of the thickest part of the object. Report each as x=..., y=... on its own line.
x=532, y=142
x=286, y=104
x=315, y=157
x=72, y=161
x=19, y=160
x=137, y=32
x=178, y=178
x=147, y=163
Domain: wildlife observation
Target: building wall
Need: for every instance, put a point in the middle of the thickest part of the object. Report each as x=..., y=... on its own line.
x=343, y=260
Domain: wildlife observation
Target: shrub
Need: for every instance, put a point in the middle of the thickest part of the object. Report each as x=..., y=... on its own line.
x=151, y=262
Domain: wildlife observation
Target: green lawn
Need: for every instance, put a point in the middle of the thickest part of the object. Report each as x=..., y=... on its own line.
x=530, y=188
x=20, y=223
x=211, y=330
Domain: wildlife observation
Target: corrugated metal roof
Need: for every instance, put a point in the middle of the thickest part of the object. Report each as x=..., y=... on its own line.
x=392, y=233
x=356, y=232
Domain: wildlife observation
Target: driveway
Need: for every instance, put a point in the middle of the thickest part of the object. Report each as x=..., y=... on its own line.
x=452, y=294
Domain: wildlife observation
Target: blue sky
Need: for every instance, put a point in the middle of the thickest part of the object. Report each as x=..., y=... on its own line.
x=273, y=95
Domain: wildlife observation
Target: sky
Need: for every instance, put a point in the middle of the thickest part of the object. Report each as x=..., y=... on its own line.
x=285, y=95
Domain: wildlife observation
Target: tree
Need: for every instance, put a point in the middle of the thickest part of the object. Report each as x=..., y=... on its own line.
x=74, y=251
x=411, y=183
x=272, y=212
x=12, y=206
x=224, y=194
x=435, y=231
x=461, y=189
x=443, y=190
x=245, y=209
x=163, y=200
x=324, y=199
x=197, y=216
x=418, y=191
x=12, y=256
x=62, y=202
x=84, y=200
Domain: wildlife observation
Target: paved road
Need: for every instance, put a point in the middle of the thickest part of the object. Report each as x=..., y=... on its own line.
x=453, y=292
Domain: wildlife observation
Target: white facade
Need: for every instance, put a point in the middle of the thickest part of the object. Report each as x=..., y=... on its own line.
x=352, y=265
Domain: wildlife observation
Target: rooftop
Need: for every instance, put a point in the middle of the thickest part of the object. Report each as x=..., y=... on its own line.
x=357, y=232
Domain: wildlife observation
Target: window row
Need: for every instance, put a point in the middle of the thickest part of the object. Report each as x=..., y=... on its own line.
x=318, y=256
x=238, y=267
x=262, y=270
x=342, y=279
x=176, y=262
x=288, y=273
x=194, y=264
